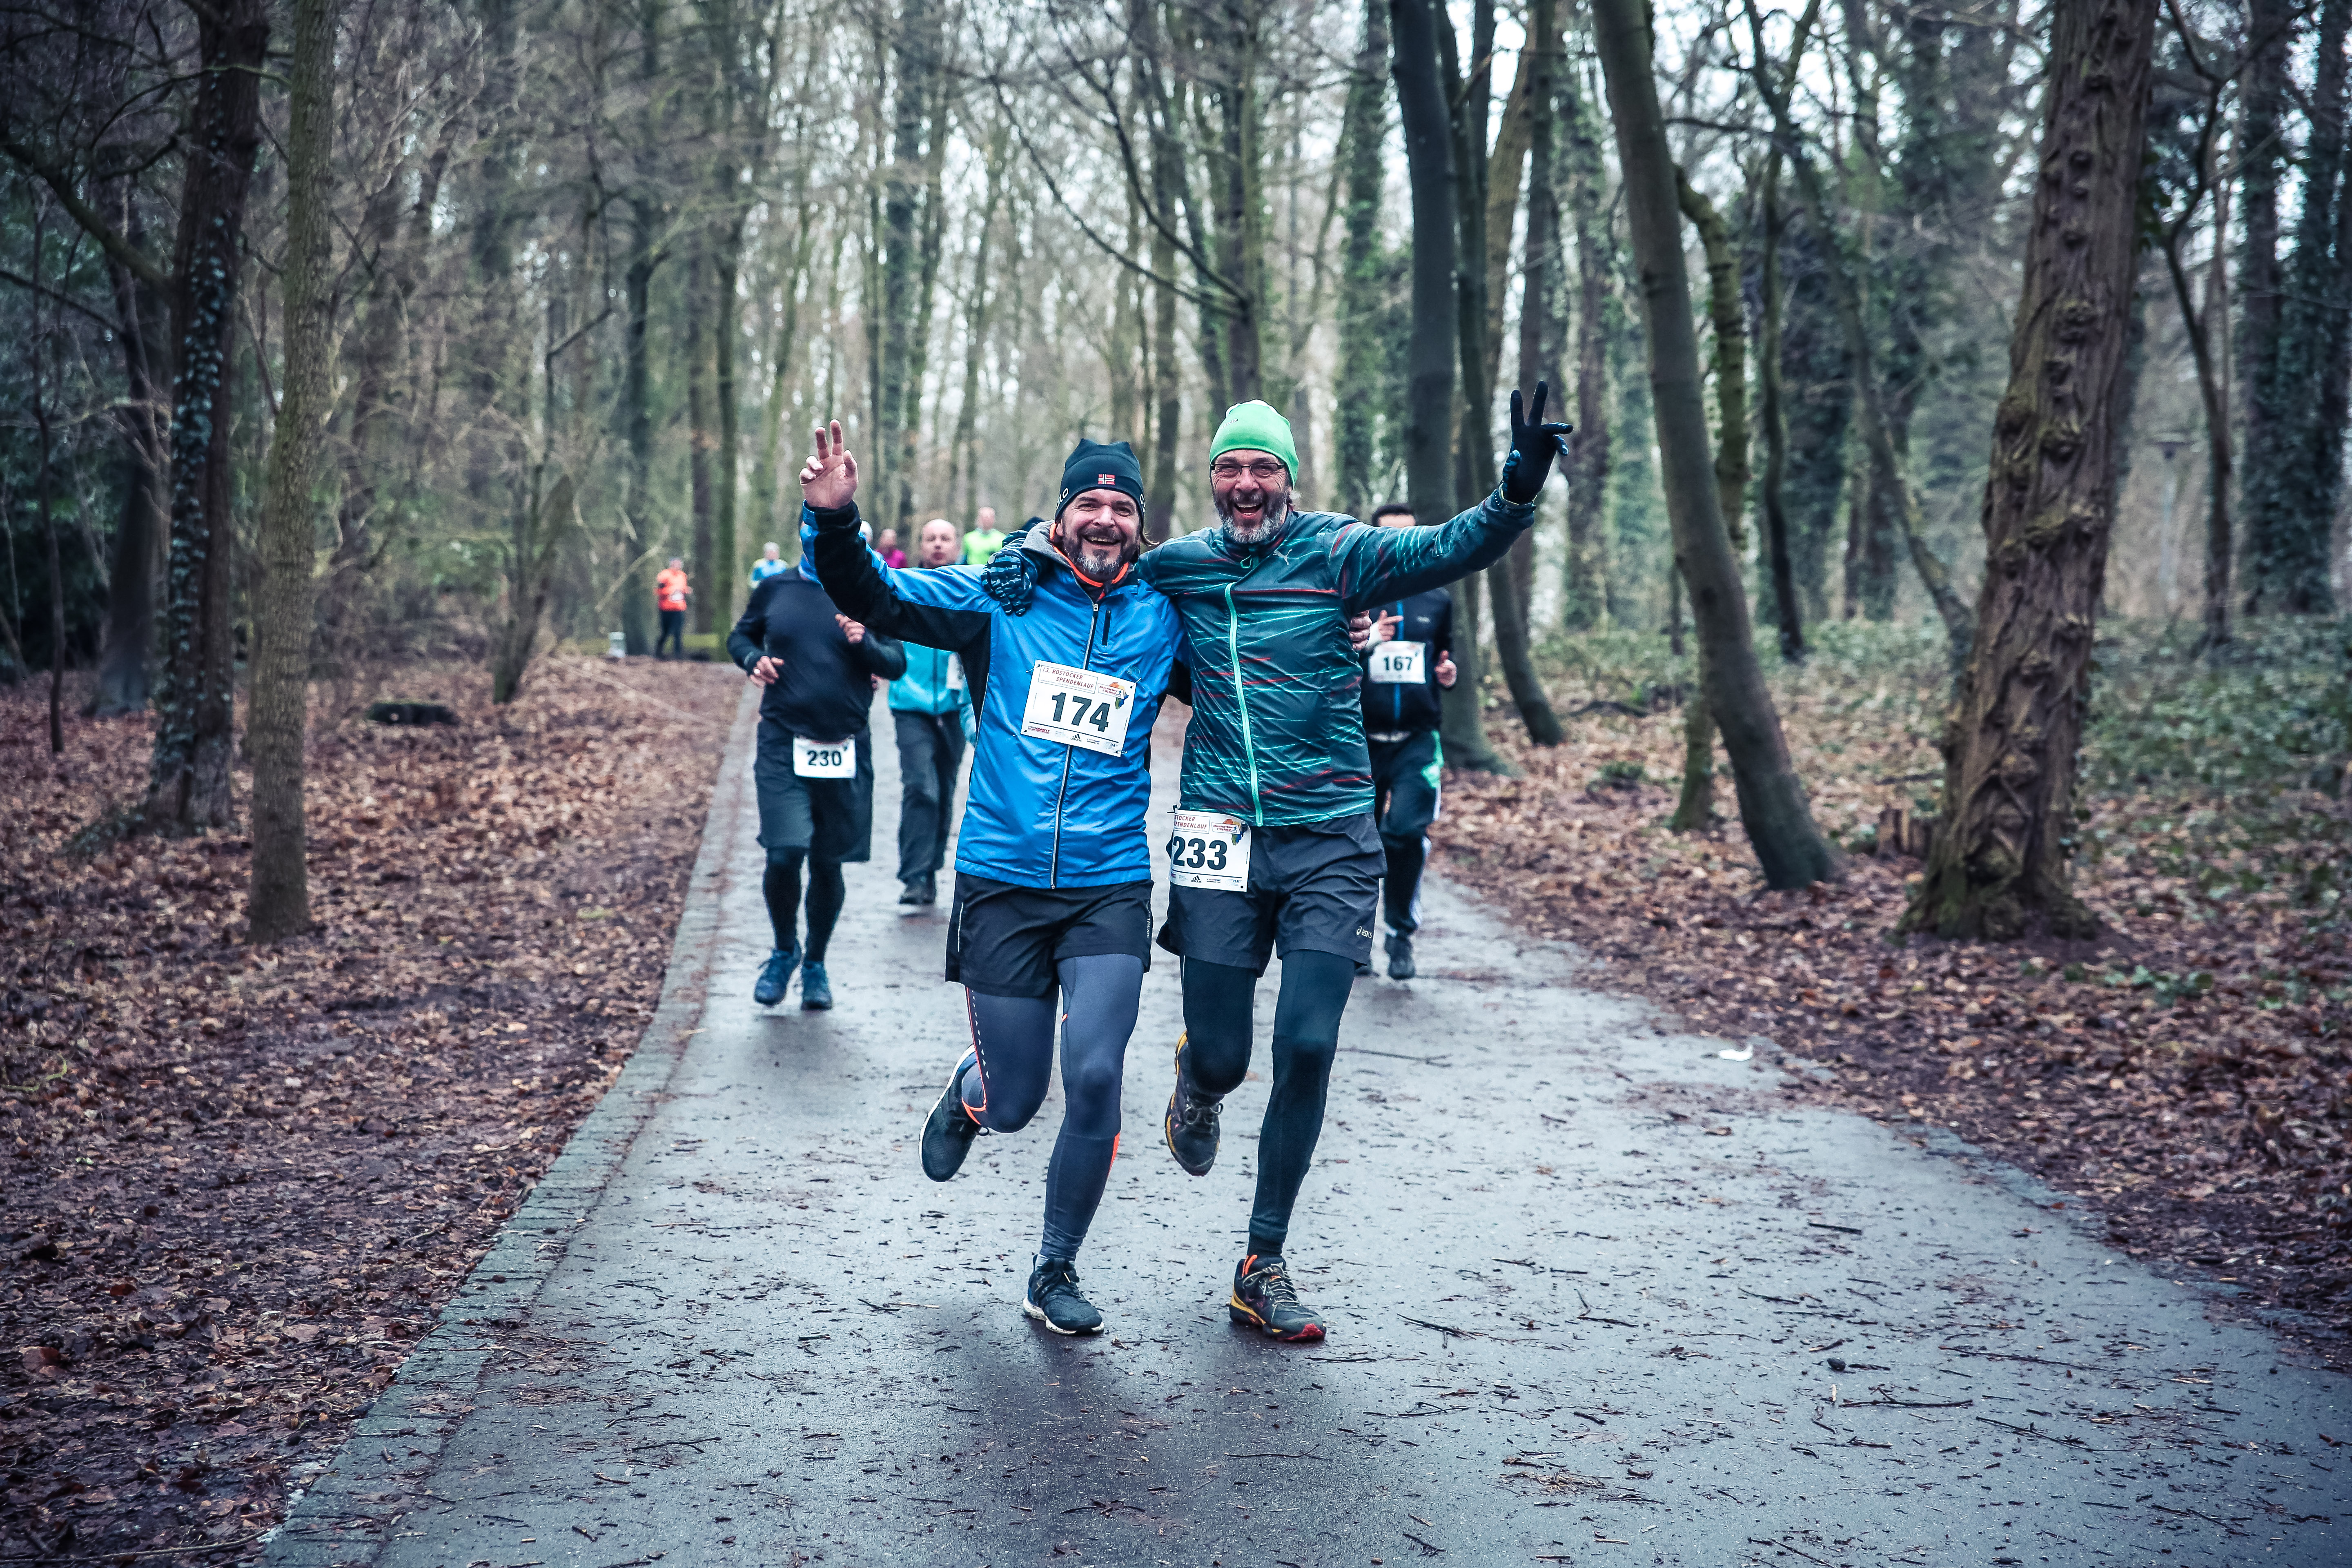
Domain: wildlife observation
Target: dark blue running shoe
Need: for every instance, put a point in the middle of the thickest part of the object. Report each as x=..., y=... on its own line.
x=949, y=1131
x=776, y=977
x=1055, y=1299
x=816, y=991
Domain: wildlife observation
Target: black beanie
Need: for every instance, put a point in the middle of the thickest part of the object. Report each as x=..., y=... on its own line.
x=1100, y=465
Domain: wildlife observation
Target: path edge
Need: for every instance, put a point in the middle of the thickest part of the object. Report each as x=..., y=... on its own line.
x=343, y=1517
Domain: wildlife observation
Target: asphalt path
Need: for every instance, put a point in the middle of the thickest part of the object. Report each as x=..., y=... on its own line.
x=1595, y=1295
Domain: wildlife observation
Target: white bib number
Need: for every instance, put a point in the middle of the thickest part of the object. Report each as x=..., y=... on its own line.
x=1401, y=664
x=1078, y=708
x=1209, y=849
x=824, y=759
x=955, y=673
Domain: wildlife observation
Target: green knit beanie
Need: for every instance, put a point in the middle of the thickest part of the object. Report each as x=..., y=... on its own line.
x=1255, y=427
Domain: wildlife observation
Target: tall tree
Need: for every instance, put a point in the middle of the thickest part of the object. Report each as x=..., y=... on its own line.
x=1586, y=601
x=279, y=902
x=188, y=773
x=1772, y=416
x=2297, y=478
x=1363, y=127
x=1999, y=865
x=1429, y=171
x=1772, y=807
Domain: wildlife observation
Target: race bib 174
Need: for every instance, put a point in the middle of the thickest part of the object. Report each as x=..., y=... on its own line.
x=1209, y=849
x=824, y=759
x=1400, y=664
x=1078, y=708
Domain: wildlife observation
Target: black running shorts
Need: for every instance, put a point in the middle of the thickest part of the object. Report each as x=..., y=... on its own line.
x=1004, y=939
x=833, y=819
x=1315, y=888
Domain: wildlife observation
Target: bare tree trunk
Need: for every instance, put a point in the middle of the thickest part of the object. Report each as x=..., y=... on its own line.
x=122, y=685
x=1999, y=865
x=277, y=721
x=1772, y=807
x=1430, y=352
x=1509, y=586
x=1585, y=601
x=1729, y=316
x=1362, y=130
x=188, y=775
x=46, y=501
x=1462, y=707
x=700, y=442
x=1787, y=611
x=2219, y=536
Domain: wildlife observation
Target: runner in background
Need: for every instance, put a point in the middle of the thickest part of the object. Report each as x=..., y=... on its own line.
x=983, y=540
x=1412, y=659
x=814, y=769
x=671, y=591
x=1052, y=918
x=888, y=547
x=770, y=562
x=931, y=706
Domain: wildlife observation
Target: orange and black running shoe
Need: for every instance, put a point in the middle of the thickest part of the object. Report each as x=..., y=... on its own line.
x=1190, y=1124
x=1264, y=1299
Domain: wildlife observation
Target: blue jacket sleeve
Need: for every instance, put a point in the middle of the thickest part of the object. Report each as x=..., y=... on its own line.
x=1380, y=565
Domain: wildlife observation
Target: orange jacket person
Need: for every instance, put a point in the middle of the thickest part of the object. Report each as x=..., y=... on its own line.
x=671, y=591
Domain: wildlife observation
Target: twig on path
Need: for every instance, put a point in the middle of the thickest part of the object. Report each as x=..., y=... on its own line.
x=1588, y=1316
x=1400, y=1055
x=1758, y=1541
x=2010, y=1355
x=2057, y=1437
x=1315, y=1457
x=1910, y=1405
x=1824, y=1225
x=1444, y=1328
x=1428, y=1548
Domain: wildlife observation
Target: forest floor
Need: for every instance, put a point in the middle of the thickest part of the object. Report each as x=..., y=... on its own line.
x=2185, y=1074
x=238, y=1182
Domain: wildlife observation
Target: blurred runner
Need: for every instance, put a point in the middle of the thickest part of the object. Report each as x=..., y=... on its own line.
x=1411, y=660
x=931, y=706
x=671, y=591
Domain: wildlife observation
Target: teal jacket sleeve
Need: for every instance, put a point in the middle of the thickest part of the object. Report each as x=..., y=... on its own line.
x=1378, y=565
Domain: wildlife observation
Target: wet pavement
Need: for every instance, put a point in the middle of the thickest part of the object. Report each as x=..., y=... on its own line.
x=1596, y=1296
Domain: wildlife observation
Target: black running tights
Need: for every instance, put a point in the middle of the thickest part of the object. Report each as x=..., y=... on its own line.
x=1014, y=1038
x=827, y=893
x=1315, y=987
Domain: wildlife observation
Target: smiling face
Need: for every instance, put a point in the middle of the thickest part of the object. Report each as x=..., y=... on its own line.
x=940, y=543
x=1251, y=491
x=1100, y=530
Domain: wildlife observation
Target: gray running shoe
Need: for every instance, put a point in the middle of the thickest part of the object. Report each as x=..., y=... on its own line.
x=776, y=975
x=1400, y=956
x=816, y=991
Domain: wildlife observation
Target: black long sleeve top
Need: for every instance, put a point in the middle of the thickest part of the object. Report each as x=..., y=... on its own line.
x=824, y=688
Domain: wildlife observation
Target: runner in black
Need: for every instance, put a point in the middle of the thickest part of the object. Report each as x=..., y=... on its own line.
x=1412, y=659
x=813, y=771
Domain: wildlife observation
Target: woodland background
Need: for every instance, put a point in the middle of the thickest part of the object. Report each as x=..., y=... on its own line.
x=364, y=349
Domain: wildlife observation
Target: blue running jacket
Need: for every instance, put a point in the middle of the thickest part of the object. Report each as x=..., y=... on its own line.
x=1039, y=814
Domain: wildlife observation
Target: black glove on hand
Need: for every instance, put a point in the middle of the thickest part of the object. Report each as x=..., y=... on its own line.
x=1011, y=577
x=1534, y=446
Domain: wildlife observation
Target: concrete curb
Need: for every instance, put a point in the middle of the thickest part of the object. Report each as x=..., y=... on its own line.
x=346, y=1514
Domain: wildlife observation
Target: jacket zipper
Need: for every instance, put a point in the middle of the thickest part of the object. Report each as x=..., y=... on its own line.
x=1240, y=701
x=1069, y=755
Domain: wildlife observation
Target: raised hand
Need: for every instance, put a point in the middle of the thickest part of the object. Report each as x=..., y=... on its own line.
x=829, y=478
x=1534, y=446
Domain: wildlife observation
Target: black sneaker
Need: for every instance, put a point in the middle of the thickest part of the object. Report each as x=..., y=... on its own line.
x=929, y=890
x=1265, y=1299
x=776, y=975
x=947, y=1134
x=1190, y=1124
x=911, y=891
x=816, y=991
x=1400, y=956
x=1363, y=969
x=1055, y=1299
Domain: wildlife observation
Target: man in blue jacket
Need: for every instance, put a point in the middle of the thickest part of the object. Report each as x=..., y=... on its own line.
x=1053, y=889
x=931, y=707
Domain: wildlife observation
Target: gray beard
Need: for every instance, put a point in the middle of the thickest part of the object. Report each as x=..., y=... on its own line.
x=1265, y=528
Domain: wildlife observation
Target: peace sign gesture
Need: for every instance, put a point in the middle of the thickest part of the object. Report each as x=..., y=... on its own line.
x=829, y=478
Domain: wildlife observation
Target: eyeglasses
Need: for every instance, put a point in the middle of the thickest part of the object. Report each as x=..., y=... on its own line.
x=1265, y=471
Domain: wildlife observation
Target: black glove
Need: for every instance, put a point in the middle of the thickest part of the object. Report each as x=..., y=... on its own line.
x=1534, y=446
x=1011, y=577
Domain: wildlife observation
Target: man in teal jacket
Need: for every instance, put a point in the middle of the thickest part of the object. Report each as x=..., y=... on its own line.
x=1274, y=849
x=931, y=707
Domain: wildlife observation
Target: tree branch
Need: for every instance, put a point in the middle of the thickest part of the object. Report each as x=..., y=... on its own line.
x=82, y=212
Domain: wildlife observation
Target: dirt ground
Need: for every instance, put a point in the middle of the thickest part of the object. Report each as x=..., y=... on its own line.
x=238, y=1182
x=2186, y=1073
